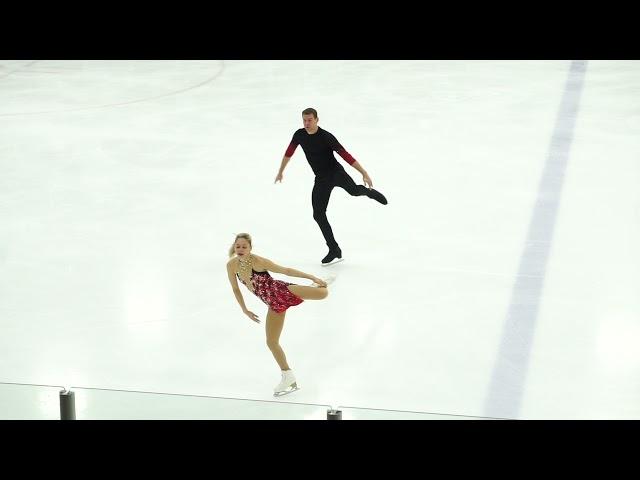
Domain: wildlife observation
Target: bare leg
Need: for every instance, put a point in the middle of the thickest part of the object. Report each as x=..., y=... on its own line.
x=275, y=322
x=309, y=293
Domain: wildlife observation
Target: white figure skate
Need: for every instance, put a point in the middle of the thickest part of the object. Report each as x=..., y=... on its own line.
x=287, y=384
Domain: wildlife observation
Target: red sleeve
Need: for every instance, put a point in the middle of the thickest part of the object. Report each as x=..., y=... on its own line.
x=347, y=156
x=290, y=149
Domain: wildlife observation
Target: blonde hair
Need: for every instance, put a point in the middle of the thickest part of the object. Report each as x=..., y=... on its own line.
x=246, y=236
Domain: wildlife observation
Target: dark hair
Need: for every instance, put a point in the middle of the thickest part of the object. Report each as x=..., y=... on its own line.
x=310, y=111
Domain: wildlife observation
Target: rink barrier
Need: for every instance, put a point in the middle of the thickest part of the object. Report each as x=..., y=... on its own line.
x=50, y=402
x=67, y=404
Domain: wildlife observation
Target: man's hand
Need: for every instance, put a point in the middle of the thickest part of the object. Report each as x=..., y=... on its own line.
x=278, y=178
x=367, y=181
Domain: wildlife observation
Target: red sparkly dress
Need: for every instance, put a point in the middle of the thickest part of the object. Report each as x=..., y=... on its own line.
x=271, y=291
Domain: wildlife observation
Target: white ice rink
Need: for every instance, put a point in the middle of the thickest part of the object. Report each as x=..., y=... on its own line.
x=502, y=280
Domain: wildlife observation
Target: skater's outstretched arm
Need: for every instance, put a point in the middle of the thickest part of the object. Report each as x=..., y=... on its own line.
x=267, y=264
x=365, y=176
x=285, y=160
x=287, y=156
x=238, y=294
x=340, y=150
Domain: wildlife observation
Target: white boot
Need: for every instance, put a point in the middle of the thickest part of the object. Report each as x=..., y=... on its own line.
x=287, y=384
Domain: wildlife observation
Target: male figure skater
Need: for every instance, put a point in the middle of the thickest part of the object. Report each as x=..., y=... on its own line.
x=318, y=146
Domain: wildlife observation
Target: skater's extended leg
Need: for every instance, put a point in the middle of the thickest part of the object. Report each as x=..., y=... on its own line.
x=343, y=180
x=309, y=293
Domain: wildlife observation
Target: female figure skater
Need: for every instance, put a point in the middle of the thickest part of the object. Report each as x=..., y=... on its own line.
x=253, y=271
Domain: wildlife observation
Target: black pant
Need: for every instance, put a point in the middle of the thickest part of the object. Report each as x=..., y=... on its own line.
x=320, y=199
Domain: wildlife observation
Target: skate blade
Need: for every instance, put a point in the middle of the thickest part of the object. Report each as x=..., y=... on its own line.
x=285, y=392
x=332, y=262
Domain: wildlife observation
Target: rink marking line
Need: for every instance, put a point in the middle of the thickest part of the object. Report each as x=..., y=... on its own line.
x=508, y=379
x=477, y=272
x=119, y=104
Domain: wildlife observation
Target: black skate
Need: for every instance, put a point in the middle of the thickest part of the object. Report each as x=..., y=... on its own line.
x=334, y=256
x=377, y=196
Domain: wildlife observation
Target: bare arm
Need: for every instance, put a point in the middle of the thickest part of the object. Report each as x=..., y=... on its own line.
x=236, y=291
x=285, y=160
x=336, y=146
x=287, y=156
x=365, y=175
x=290, y=272
x=359, y=167
x=236, y=288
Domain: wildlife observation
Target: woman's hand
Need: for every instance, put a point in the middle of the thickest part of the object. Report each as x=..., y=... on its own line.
x=319, y=282
x=252, y=316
